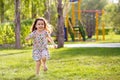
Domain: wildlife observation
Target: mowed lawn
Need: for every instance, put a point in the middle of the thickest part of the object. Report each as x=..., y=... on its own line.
x=64, y=64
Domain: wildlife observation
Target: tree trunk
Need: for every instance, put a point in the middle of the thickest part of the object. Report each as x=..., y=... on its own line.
x=47, y=10
x=2, y=11
x=60, y=25
x=17, y=24
x=33, y=10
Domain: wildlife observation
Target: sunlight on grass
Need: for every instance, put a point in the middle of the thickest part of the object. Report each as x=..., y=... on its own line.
x=108, y=39
x=64, y=64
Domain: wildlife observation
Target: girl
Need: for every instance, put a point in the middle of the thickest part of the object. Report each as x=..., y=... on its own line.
x=40, y=35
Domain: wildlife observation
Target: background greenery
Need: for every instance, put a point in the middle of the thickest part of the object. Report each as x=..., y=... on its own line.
x=32, y=9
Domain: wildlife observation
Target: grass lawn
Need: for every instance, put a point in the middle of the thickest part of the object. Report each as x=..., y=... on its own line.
x=64, y=64
x=108, y=39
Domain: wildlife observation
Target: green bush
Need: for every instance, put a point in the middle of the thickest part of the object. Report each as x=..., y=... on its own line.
x=25, y=29
x=7, y=31
x=106, y=31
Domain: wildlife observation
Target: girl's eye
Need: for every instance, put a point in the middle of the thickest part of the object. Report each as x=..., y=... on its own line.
x=40, y=24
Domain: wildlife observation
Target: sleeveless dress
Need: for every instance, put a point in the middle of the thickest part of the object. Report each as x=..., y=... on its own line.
x=40, y=48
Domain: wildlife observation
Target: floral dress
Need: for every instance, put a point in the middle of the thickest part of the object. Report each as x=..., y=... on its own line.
x=40, y=42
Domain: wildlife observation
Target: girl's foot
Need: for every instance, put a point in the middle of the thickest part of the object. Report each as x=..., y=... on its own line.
x=45, y=68
x=37, y=75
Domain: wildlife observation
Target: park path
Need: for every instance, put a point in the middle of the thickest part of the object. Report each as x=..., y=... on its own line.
x=113, y=45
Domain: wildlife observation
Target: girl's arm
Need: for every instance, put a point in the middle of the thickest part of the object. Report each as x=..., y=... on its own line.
x=27, y=38
x=30, y=36
x=51, y=41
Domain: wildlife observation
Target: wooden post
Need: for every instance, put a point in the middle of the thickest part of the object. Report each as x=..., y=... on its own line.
x=96, y=25
x=103, y=26
x=79, y=14
x=73, y=14
x=79, y=9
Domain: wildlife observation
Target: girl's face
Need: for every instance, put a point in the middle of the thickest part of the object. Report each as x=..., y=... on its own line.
x=40, y=25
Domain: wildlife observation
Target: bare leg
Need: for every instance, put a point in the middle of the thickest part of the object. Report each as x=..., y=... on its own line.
x=44, y=63
x=38, y=63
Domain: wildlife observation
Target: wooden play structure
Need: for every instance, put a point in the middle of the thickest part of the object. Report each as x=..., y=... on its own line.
x=77, y=27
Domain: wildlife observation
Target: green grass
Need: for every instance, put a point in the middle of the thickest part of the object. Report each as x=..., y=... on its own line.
x=108, y=39
x=64, y=64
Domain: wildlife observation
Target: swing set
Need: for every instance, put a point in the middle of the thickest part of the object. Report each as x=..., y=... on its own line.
x=77, y=28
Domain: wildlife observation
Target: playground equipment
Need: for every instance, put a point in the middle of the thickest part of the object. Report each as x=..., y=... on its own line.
x=90, y=23
x=93, y=22
x=72, y=29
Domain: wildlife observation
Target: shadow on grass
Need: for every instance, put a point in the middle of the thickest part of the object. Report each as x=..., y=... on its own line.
x=13, y=53
x=72, y=52
x=32, y=77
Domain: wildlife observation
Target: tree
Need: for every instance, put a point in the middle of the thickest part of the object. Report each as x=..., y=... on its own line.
x=6, y=10
x=93, y=4
x=60, y=25
x=2, y=11
x=47, y=10
x=116, y=18
x=112, y=16
x=17, y=24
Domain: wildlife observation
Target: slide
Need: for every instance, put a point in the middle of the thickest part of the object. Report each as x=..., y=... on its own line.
x=82, y=30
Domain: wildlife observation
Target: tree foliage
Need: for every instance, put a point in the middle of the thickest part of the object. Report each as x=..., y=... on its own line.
x=93, y=4
x=112, y=16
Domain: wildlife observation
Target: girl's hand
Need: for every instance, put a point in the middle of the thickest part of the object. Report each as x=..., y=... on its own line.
x=55, y=46
x=27, y=39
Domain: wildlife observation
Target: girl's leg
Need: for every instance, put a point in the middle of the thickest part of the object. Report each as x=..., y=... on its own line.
x=38, y=63
x=44, y=63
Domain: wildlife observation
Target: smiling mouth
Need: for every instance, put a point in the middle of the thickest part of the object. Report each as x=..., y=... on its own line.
x=41, y=28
